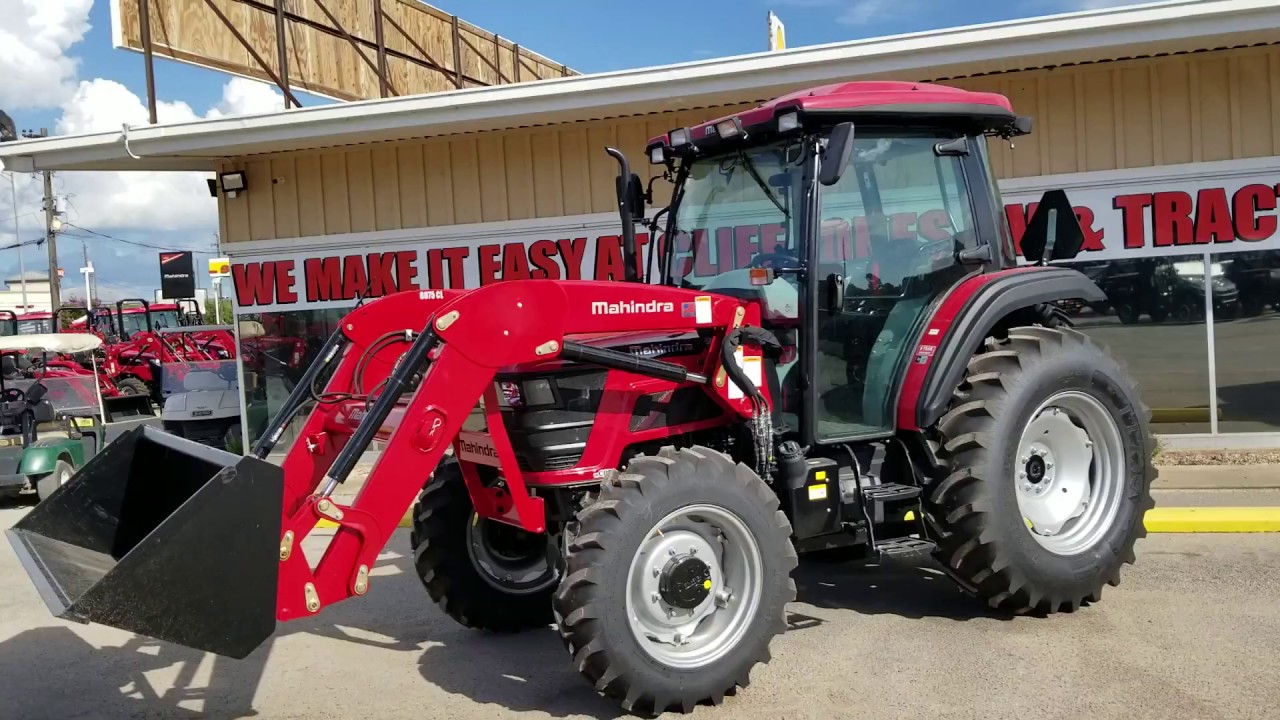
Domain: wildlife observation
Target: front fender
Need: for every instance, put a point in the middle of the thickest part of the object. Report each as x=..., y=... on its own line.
x=40, y=457
x=963, y=319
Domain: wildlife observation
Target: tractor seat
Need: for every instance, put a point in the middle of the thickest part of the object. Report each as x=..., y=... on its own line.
x=9, y=368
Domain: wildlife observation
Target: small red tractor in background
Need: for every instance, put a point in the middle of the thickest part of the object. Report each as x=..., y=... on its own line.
x=137, y=351
x=655, y=455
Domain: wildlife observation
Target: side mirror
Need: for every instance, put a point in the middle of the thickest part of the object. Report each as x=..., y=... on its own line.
x=835, y=158
x=1054, y=232
x=635, y=197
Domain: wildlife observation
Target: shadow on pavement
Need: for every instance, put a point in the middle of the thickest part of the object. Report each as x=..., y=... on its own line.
x=525, y=672
x=61, y=675
x=54, y=673
x=907, y=589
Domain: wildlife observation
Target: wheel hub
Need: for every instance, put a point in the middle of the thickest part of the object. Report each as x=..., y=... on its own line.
x=694, y=585
x=508, y=558
x=1070, y=472
x=685, y=582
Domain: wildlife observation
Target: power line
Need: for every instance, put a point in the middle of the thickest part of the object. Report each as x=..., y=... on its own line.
x=134, y=242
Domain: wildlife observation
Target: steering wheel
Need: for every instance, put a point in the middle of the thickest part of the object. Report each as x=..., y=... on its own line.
x=13, y=395
x=774, y=259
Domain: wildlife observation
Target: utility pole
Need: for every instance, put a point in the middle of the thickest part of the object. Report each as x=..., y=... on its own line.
x=51, y=238
x=88, y=292
x=51, y=226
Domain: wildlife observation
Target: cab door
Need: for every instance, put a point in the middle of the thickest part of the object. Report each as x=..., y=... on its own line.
x=887, y=240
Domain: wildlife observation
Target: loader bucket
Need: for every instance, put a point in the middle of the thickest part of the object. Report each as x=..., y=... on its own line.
x=124, y=407
x=165, y=537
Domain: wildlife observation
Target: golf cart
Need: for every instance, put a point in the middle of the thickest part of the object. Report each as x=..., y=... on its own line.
x=201, y=398
x=49, y=425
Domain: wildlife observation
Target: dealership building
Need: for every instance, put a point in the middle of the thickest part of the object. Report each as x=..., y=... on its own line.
x=1161, y=121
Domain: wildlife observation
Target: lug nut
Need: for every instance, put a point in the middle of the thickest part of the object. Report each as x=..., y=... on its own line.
x=656, y=572
x=693, y=551
x=1048, y=466
x=1022, y=476
x=1025, y=459
x=671, y=552
x=655, y=597
x=723, y=597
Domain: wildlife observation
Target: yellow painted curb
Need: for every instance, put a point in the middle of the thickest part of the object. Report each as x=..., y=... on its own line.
x=1205, y=519
x=1159, y=520
x=405, y=522
x=1213, y=520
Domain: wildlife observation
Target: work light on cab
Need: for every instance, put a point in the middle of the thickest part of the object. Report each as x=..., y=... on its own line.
x=731, y=128
x=788, y=122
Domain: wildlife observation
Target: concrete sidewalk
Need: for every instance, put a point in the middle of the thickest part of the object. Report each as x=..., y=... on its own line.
x=1218, y=477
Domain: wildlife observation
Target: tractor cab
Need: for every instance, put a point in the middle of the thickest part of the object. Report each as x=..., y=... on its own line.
x=844, y=212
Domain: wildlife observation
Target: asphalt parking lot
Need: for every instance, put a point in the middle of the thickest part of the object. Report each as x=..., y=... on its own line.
x=1192, y=632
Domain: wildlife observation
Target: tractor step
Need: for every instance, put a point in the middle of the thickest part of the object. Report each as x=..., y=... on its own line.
x=877, y=497
x=902, y=548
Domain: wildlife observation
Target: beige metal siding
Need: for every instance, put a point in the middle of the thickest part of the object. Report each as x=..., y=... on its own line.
x=1219, y=105
x=1136, y=113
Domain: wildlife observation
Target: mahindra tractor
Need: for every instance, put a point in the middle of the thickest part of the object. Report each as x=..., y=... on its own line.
x=835, y=351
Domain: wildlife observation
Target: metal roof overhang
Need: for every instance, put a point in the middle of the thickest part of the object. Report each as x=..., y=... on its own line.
x=1133, y=31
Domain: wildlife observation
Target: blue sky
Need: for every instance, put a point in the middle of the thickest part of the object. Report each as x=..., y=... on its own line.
x=72, y=80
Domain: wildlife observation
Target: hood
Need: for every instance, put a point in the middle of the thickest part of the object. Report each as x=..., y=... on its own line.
x=645, y=343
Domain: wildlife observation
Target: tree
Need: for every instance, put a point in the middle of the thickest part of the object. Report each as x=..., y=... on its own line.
x=224, y=308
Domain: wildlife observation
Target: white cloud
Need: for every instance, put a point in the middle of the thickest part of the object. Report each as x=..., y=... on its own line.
x=34, y=38
x=146, y=200
x=242, y=96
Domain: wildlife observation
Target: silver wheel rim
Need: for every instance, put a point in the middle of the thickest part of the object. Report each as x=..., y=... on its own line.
x=514, y=573
x=63, y=476
x=1070, y=473
x=695, y=637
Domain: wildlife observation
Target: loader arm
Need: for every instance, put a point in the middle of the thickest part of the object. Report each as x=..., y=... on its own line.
x=459, y=340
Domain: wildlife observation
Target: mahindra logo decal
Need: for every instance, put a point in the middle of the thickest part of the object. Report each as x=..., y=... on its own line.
x=474, y=448
x=631, y=308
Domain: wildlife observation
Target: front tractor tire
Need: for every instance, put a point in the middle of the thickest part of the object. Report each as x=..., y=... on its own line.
x=677, y=579
x=484, y=574
x=1049, y=457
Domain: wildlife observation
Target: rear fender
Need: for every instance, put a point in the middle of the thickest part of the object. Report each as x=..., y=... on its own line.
x=964, y=318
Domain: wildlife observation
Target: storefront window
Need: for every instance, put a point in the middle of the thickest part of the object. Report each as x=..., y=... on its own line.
x=1245, y=347
x=274, y=360
x=1155, y=323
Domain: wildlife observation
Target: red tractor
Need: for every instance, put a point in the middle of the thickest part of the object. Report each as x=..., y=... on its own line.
x=655, y=456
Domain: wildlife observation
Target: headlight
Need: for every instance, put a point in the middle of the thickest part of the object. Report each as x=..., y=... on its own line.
x=539, y=392
x=509, y=395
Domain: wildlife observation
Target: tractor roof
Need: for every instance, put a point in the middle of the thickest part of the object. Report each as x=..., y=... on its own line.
x=884, y=100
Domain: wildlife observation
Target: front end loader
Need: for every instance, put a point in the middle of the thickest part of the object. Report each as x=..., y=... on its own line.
x=833, y=348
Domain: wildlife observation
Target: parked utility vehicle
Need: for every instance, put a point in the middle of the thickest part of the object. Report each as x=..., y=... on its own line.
x=49, y=425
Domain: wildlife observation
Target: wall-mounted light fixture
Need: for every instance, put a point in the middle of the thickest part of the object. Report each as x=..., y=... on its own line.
x=233, y=183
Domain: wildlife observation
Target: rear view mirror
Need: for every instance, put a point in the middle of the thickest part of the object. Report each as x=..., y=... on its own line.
x=1054, y=232
x=635, y=196
x=835, y=158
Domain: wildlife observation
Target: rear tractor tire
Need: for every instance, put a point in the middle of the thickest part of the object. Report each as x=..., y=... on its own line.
x=677, y=579
x=1050, y=473
x=132, y=386
x=482, y=573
